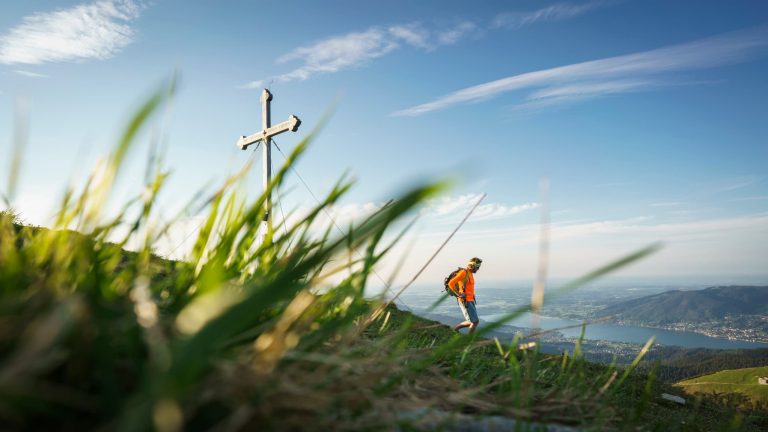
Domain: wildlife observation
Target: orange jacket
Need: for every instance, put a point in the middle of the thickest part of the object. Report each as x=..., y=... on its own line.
x=458, y=284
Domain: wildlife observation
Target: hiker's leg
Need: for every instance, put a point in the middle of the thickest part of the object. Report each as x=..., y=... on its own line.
x=465, y=313
x=473, y=318
x=462, y=325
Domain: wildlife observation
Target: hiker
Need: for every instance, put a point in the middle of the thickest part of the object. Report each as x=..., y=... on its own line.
x=463, y=284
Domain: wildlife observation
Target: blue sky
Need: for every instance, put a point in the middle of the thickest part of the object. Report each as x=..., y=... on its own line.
x=647, y=118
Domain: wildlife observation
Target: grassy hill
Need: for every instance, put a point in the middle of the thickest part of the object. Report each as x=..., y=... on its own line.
x=634, y=405
x=742, y=381
x=338, y=374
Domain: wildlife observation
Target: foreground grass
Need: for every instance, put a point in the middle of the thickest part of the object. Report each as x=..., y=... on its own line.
x=249, y=334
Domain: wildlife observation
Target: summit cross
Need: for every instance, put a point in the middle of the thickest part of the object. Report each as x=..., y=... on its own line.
x=265, y=137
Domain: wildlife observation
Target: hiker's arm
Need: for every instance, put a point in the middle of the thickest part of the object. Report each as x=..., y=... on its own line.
x=456, y=285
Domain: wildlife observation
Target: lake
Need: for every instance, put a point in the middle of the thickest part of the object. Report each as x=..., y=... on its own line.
x=632, y=334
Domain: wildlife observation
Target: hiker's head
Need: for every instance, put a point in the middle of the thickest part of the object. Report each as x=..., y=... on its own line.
x=474, y=264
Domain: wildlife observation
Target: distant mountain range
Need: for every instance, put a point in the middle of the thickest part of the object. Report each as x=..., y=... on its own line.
x=698, y=306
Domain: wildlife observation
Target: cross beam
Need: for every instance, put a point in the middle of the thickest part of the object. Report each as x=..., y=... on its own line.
x=264, y=136
x=268, y=131
x=292, y=124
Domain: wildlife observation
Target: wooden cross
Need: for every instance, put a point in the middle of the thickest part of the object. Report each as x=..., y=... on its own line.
x=265, y=137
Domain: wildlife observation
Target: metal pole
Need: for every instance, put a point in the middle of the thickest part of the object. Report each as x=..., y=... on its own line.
x=266, y=120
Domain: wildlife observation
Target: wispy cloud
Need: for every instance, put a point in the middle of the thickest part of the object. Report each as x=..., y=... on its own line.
x=752, y=198
x=95, y=30
x=411, y=34
x=349, y=213
x=439, y=209
x=675, y=232
x=644, y=227
x=444, y=209
x=732, y=184
x=555, y=12
x=668, y=204
x=357, y=49
x=30, y=74
x=587, y=88
x=692, y=247
x=499, y=211
x=344, y=52
x=569, y=93
x=581, y=91
x=453, y=35
x=460, y=205
x=630, y=72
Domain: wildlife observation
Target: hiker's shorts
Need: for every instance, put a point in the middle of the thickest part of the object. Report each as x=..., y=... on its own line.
x=469, y=311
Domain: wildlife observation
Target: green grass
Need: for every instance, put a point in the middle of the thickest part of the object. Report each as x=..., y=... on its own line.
x=247, y=334
x=743, y=381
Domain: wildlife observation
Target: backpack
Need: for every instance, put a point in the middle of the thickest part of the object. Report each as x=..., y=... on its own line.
x=448, y=279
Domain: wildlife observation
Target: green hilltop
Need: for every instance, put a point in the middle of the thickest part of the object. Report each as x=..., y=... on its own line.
x=742, y=381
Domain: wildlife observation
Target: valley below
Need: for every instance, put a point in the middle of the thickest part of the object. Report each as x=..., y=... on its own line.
x=684, y=347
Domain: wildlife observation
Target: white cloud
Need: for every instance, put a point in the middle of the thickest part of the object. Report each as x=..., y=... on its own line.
x=498, y=211
x=588, y=88
x=577, y=246
x=345, y=214
x=97, y=30
x=30, y=74
x=735, y=245
x=459, y=205
x=446, y=209
x=412, y=34
x=556, y=12
x=341, y=52
x=561, y=94
x=453, y=35
x=633, y=71
x=450, y=205
x=357, y=49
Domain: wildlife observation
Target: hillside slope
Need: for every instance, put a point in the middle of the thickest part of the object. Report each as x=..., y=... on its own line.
x=635, y=405
x=705, y=305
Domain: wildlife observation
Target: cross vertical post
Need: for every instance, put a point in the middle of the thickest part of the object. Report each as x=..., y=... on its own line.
x=266, y=121
x=265, y=137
